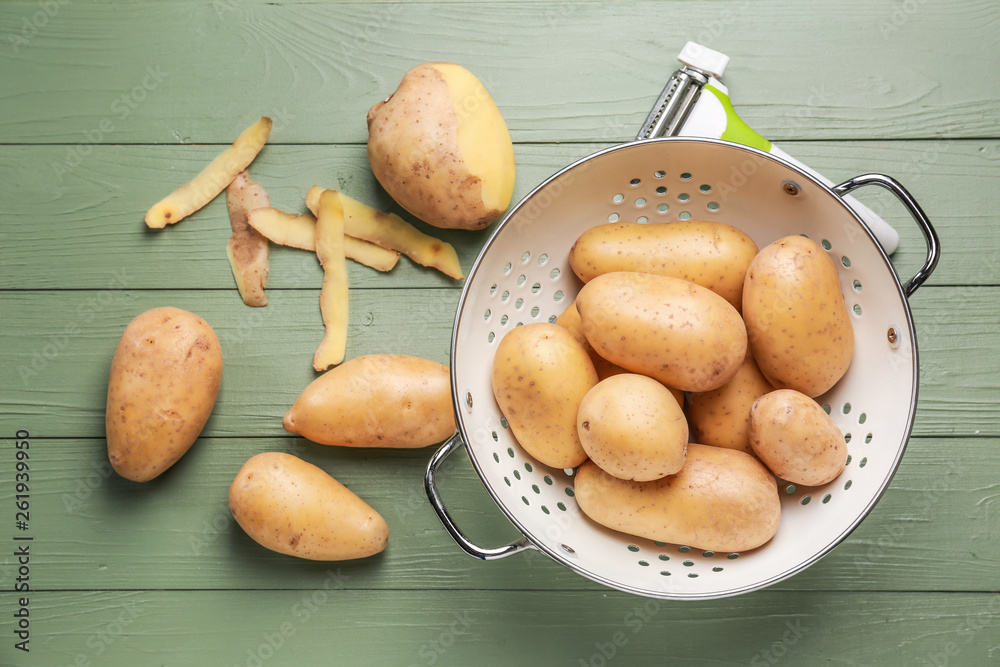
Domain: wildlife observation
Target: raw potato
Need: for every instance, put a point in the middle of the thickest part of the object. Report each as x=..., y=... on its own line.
x=376, y=400
x=295, y=508
x=299, y=231
x=164, y=380
x=247, y=248
x=794, y=437
x=632, y=427
x=721, y=500
x=540, y=376
x=569, y=320
x=441, y=149
x=333, y=297
x=711, y=254
x=679, y=333
x=390, y=231
x=796, y=318
x=721, y=417
x=213, y=179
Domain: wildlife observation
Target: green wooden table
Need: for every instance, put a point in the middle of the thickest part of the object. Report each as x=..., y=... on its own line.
x=105, y=106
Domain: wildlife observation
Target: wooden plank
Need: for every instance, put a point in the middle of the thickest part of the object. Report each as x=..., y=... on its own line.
x=954, y=183
x=96, y=219
x=87, y=221
x=68, y=365
x=56, y=348
x=141, y=93
x=560, y=72
x=327, y=625
x=935, y=528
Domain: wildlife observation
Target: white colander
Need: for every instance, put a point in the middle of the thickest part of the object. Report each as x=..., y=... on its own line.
x=522, y=275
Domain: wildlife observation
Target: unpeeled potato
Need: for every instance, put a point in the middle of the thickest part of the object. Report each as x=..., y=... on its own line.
x=721, y=500
x=293, y=507
x=796, y=318
x=632, y=427
x=540, y=376
x=569, y=320
x=711, y=254
x=679, y=333
x=376, y=400
x=165, y=377
x=794, y=437
x=720, y=417
x=441, y=149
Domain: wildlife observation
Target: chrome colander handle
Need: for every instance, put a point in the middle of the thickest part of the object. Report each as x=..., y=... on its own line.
x=893, y=186
x=432, y=494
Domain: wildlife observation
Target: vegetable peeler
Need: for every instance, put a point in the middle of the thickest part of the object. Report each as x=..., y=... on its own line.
x=695, y=103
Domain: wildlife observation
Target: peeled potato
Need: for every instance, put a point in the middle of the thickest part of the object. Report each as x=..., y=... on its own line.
x=295, y=508
x=441, y=149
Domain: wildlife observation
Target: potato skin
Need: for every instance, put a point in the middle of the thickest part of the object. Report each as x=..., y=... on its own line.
x=295, y=508
x=711, y=254
x=721, y=500
x=632, y=427
x=679, y=333
x=569, y=320
x=416, y=141
x=796, y=439
x=796, y=318
x=164, y=379
x=376, y=400
x=540, y=376
x=720, y=417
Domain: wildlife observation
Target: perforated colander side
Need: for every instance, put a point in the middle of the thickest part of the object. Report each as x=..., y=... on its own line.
x=523, y=276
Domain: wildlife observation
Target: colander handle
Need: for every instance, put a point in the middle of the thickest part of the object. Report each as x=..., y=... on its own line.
x=893, y=186
x=432, y=494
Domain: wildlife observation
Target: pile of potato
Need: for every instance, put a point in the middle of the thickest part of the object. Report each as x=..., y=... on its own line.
x=682, y=380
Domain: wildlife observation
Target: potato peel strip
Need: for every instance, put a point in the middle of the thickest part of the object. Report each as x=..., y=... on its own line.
x=334, y=294
x=391, y=231
x=299, y=231
x=213, y=179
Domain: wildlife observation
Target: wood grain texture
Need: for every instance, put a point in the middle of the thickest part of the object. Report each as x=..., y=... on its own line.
x=559, y=72
x=68, y=364
x=50, y=218
x=109, y=105
x=57, y=354
x=352, y=628
x=934, y=529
